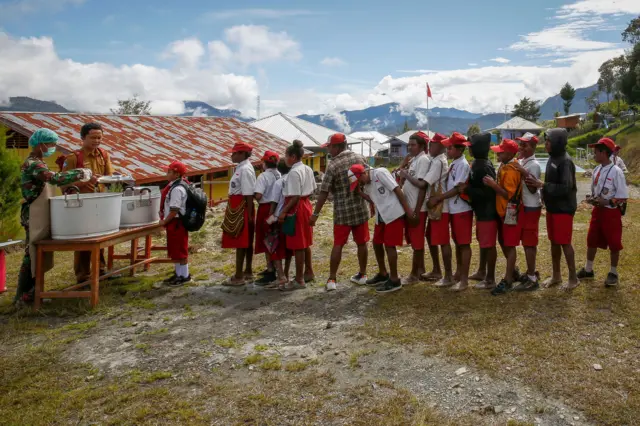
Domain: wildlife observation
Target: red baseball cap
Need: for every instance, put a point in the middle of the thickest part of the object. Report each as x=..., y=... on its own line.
x=354, y=173
x=507, y=145
x=178, y=167
x=456, y=139
x=240, y=147
x=609, y=143
x=335, y=139
x=438, y=138
x=271, y=157
x=421, y=135
x=528, y=137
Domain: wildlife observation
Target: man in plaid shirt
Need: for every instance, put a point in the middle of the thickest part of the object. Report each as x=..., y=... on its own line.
x=350, y=211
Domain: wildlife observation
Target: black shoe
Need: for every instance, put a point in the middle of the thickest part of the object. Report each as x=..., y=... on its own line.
x=584, y=275
x=526, y=284
x=389, y=287
x=180, y=281
x=170, y=280
x=516, y=274
x=265, y=272
x=378, y=279
x=267, y=278
x=612, y=280
x=503, y=288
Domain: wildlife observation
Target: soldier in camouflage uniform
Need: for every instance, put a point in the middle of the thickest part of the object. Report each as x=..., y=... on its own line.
x=35, y=175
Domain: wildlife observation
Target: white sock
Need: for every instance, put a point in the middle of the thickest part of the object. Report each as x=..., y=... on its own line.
x=533, y=277
x=176, y=266
x=589, y=266
x=185, y=270
x=614, y=270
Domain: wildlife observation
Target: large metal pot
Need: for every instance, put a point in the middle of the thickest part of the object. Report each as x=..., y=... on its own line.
x=75, y=215
x=140, y=206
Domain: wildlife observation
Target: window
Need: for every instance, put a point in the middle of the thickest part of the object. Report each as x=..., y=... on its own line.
x=395, y=150
x=16, y=140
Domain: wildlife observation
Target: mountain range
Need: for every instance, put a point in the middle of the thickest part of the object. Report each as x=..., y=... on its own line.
x=388, y=118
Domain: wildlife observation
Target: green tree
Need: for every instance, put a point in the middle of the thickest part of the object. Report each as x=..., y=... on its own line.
x=632, y=33
x=567, y=93
x=473, y=129
x=133, y=106
x=10, y=195
x=406, y=127
x=527, y=109
x=593, y=101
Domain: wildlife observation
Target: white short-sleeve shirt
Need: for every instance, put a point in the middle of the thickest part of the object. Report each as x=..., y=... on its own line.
x=437, y=176
x=417, y=169
x=264, y=183
x=380, y=190
x=243, y=181
x=278, y=195
x=458, y=173
x=618, y=162
x=176, y=199
x=300, y=181
x=531, y=199
x=608, y=182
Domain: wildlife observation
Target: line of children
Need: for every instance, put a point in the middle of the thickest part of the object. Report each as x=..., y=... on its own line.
x=382, y=190
x=264, y=196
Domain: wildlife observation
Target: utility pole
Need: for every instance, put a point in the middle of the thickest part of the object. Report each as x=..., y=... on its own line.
x=258, y=107
x=506, y=107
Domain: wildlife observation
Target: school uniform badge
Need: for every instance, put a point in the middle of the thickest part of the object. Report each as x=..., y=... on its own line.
x=233, y=185
x=381, y=190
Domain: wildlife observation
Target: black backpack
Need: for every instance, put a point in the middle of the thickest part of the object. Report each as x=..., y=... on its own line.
x=197, y=203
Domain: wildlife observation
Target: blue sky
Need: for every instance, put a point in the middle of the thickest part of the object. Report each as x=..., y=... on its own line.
x=305, y=57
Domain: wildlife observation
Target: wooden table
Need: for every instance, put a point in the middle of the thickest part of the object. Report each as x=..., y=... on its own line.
x=138, y=257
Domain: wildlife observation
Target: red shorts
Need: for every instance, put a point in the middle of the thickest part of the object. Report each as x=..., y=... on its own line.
x=262, y=227
x=509, y=235
x=529, y=221
x=605, y=229
x=461, y=227
x=487, y=233
x=360, y=234
x=245, y=238
x=389, y=234
x=415, y=234
x=560, y=228
x=177, y=241
x=438, y=231
x=303, y=237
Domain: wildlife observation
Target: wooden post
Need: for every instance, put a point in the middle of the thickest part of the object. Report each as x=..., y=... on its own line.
x=110, y=252
x=134, y=256
x=95, y=275
x=147, y=251
x=39, y=277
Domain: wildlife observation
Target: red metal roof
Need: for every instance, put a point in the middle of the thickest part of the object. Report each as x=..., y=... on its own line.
x=143, y=145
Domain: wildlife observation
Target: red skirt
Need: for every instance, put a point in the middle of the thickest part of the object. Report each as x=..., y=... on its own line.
x=244, y=239
x=304, y=232
x=262, y=227
x=281, y=252
x=177, y=241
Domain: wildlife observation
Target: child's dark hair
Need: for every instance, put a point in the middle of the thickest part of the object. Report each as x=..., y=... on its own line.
x=88, y=127
x=419, y=140
x=604, y=148
x=296, y=149
x=282, y=167
x=270, y=164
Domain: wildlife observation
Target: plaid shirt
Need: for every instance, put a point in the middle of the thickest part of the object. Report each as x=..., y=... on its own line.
x=348, y=207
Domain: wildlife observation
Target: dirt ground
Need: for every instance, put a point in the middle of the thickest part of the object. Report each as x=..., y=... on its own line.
x=207, y=354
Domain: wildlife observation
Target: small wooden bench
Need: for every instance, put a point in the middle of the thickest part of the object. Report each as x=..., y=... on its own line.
x=138, y=257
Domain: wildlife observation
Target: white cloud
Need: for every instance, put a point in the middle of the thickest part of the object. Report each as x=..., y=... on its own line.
x=332, y=62
x=472, y=64
x=17, y=8
x=32, y=67
x=188, y=52
x=421, y=71
x=500, y=60
x=256, y=13
x=599, y=7
x=253, y=44
x=567, y=37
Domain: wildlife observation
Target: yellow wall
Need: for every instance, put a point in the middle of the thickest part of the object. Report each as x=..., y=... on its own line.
x=217, y=191
x=313, y=162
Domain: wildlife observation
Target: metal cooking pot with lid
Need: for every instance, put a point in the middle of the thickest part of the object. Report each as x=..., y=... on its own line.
x=75, y=215
x=140, y=206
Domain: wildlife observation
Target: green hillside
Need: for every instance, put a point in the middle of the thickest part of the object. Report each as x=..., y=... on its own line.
x=629, y=139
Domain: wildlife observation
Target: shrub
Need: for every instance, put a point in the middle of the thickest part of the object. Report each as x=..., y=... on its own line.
x=588, y=138
x=10, y=195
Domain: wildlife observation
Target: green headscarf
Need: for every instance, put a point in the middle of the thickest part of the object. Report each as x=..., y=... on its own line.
x=41, y=136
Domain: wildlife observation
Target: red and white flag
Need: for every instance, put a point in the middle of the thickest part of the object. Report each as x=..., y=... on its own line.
x=429, y=91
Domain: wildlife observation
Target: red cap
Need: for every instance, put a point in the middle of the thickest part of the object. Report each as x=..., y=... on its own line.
x=178, y=167
x=609, y=143
x=528, y=137
x=335, y=139
x=240, y=147
x=271, y=157
x=507, y=145
x=421, y=135
x=456, y=139
x=354, y=173
x=438, y=138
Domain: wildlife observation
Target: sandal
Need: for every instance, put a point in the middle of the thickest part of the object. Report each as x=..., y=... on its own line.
x=275, y=285
x=234, y=282
x=293, y=285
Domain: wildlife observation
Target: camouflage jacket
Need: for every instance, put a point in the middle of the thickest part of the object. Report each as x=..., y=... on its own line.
x=36, y=173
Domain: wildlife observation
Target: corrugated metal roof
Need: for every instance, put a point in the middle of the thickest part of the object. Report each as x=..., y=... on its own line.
x=143, y=145
x=367, y=148
x=518, y=123
x=373, y=135
x=289, y=128
x=406, y=135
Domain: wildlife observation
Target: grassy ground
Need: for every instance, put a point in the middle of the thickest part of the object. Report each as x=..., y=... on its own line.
x=547, y=340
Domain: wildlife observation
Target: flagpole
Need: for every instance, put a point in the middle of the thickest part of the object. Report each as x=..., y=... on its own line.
x=428, y=120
